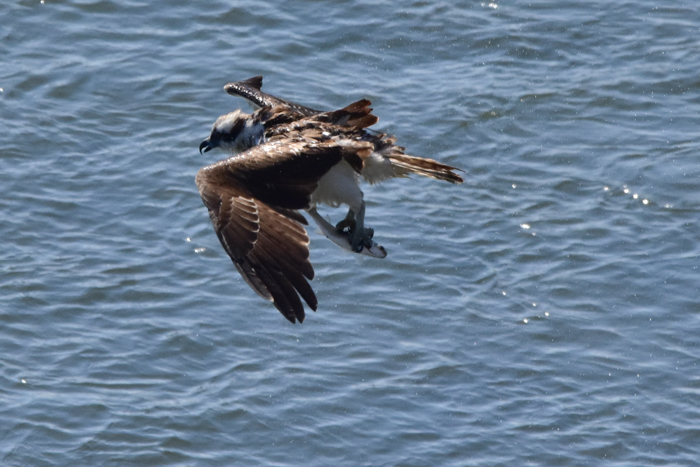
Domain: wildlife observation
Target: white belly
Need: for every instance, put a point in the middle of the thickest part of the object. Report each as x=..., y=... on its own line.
x=340, y=185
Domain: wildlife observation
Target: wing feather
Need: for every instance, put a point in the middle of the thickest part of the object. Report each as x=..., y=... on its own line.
x=252, y=200
x=249, y=89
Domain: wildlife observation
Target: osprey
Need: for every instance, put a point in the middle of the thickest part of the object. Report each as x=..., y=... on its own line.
x=287, y=159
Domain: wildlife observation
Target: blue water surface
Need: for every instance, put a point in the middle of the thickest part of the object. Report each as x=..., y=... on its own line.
x=545, y=312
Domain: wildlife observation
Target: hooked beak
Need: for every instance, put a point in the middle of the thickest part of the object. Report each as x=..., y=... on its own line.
x=205, y=146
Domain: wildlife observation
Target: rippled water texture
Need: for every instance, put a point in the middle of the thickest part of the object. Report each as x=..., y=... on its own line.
x=545, y=312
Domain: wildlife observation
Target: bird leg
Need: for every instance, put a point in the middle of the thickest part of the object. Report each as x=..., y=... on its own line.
x=359, y=236
x=347, y=223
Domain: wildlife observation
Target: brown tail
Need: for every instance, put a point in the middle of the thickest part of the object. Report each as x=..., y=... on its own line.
x=423, y=166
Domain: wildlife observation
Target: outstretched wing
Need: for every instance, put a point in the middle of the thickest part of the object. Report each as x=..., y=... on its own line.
x=252, y=200
x=270, y=250
x=249, y=89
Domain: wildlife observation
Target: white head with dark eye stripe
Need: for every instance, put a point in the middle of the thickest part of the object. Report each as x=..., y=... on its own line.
x=234, y=132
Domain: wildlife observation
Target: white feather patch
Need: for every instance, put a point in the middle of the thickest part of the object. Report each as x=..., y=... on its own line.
x=378, y=168
x=340, y=185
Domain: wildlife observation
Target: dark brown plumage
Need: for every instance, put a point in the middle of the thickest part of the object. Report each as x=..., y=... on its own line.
x=253, y=201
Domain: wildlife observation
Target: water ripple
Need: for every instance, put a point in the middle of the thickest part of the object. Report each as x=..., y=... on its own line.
x=543, y=312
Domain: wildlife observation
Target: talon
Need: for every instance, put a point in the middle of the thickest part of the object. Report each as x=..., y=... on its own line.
x=360, y=240
x=348, y=224
x=359, y=237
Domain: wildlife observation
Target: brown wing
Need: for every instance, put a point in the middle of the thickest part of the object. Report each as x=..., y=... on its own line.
x=249, y=89
x=270, y=250
x=347, y=122
x=358, y=115
x=252, y=200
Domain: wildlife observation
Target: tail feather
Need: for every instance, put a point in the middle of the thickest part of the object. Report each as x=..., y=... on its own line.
x=424, y=166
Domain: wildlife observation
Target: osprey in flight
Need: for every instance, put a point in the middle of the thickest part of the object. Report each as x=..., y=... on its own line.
x=287, y=159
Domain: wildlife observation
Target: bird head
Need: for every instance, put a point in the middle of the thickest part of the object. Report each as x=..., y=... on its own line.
x=228, y=133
